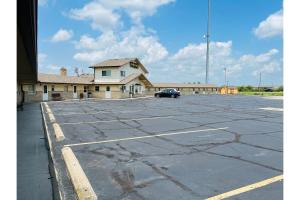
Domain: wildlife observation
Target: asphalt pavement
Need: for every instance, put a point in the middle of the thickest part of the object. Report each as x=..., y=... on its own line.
x=192, y=147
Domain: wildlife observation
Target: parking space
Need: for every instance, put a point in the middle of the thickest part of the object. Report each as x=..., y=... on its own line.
x=193, y=147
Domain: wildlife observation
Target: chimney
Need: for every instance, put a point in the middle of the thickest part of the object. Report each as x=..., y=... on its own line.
x=63, y=71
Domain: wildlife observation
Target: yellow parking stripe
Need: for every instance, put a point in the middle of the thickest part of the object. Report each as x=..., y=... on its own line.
x=247, y=188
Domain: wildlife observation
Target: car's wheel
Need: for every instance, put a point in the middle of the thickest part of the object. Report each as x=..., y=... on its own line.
x=156, y=95
x=172, y=96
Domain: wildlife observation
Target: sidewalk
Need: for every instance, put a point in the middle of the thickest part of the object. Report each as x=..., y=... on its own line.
x=32, y=156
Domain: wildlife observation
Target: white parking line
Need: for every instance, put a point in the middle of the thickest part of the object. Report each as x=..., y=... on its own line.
x=272, y=109
x=144, y=137
x=90, y=100
x=116, y=120
x=93, y=113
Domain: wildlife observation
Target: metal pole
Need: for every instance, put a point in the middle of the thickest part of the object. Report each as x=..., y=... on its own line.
x=225, y=80
x=259, y=81
x=207, y=42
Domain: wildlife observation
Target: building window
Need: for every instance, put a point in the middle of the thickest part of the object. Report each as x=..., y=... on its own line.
x=74, y=89
x=133, y=64
x=107, y=88
x=97, y=88
x=123, y=88
x=122, y=73
x=52, y=88
x=84, y=88
x=106, y=72
x=31, y=89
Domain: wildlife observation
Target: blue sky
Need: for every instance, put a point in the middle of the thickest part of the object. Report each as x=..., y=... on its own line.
x=167, y=36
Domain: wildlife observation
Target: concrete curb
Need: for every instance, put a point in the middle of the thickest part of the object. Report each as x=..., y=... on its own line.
x=58, y=132
x=81, y=184
x=57, y=194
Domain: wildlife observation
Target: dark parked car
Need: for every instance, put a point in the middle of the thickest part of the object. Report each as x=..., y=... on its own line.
x=173, y=93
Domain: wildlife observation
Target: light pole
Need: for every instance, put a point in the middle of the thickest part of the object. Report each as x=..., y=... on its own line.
x=225, y=70
x=259, y=82
x=207, y=42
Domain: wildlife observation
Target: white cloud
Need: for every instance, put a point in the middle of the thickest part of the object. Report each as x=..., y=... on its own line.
x=102, y=18
x=270, y=27
x=186, y=65
x=268, y=68
x=136, y=9
x=62, y=35
x=133, y=43
x=264, y=57
x=189, y=63
x=104, y=40
x=42, y=57
x=105, y=15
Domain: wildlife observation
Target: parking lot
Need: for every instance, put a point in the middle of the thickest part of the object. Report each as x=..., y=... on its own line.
x=192, y=147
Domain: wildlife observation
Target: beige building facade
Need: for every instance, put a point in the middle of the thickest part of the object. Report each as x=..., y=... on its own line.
x=112, y=79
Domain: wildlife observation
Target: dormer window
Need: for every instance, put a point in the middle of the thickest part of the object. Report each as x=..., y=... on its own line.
x=122, y=73
x=133, y=64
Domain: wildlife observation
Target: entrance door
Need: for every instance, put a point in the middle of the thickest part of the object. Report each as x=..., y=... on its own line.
x=107, y=92
x=85, y=93
x=74, y=92
x=45, y=93
x=131, y=89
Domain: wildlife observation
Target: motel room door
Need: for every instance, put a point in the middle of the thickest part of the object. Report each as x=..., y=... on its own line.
x=107, y=92
x=74, y=92
x=85, y=91
x=45, y=93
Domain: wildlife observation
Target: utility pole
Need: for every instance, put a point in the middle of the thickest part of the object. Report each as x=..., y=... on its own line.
x=225, y=70
x=207, y=42
x=259, y=82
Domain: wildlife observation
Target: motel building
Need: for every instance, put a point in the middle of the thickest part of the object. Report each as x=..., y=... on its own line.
x=112, y=79
x=228, y=90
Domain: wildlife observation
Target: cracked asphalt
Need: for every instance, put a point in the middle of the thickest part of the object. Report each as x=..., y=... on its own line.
x=196, y=165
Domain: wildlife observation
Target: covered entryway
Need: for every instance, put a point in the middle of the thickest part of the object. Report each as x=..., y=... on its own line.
x=138, y=88
x=131, y=90
x=45, y=93
x=74, y=92
x=107, y=92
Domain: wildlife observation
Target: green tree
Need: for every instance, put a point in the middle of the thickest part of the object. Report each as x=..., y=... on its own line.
x=241, y=88
x=279, y=89
x=249, y=88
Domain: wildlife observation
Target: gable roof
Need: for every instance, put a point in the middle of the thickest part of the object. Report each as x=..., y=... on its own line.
x=118, y=63
x=55, y=78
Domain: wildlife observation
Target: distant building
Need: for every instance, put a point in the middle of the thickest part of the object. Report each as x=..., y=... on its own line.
x=114, y=78
x=228, y=90
x=187, y=88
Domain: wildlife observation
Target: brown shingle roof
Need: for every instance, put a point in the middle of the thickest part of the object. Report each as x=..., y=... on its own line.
x=113, y=62
x=54, y=78
x=118, y=63
x=182, y=85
